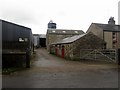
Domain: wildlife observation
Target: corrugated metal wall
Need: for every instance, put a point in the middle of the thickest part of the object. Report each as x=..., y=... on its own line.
x=11, y=34
x=36, y=41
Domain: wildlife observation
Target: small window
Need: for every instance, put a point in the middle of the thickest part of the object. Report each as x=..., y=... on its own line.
x=114, y=33
x=53, y=31
x=64, y=31
x=21, y=40
x=26, y=39
x=76, y=31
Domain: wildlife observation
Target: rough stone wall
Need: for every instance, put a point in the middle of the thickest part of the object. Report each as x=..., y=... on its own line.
x=52, y=49
x=89, y=41
x=96, y=30
x=72, y=50
x=51, y=38
x=68, y=51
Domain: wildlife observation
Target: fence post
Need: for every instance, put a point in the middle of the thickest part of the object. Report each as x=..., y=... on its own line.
x=118, y=54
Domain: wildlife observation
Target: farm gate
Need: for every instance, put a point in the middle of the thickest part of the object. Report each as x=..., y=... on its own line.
x=109, y=55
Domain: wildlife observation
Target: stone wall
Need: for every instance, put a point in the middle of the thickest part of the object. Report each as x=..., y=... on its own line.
x=89, y=41
x=68, y=51
x=96, y=30
x=51, y=38
x=72, y=50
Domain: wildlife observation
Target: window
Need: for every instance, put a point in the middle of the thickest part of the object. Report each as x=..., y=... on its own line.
x=53, y=31
x=21, y=40
x=76, y=31
x=114, y=35
x=26, y=39
x=64, y=31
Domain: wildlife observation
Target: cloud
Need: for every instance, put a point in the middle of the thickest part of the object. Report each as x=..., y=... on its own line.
x=18, y=16
x=18, y=12
x=74, y=14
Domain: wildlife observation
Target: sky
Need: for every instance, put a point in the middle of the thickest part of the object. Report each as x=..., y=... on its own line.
x=67, y=14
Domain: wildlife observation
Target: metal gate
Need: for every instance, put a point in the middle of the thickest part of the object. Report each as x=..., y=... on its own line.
x=109, y=55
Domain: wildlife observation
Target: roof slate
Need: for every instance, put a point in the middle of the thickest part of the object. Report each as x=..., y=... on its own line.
x=69, y=39
x=64, y=31
x=108, y=27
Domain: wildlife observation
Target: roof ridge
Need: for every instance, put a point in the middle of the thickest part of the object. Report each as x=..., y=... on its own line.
x=106, y=24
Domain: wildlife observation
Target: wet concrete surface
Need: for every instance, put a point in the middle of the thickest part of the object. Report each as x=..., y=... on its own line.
x=49, y=71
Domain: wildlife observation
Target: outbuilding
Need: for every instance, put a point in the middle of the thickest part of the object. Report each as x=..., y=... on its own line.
x=70, y=47
x=39, y=40
x=54, y=35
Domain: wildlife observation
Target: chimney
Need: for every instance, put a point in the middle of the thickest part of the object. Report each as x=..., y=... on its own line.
x=111, y=21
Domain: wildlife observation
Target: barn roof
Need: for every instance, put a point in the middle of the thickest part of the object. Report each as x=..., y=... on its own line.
x=76, y=37
x=64, y=31
x=108, y=27
x=69, y=39
x=15, y=24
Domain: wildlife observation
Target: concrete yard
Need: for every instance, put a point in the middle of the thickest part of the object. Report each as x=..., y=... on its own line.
x=49, y=71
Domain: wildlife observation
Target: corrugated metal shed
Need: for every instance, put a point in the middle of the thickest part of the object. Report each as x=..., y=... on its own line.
x=42, y=36
x=36, y=40
x=39, y=40
x=14, y=34
x=11, y=31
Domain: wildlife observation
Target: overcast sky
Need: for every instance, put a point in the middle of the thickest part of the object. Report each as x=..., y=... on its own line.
x=67, y=14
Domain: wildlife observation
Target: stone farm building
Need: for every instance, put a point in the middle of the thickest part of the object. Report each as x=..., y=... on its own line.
x=54, y=35
x=110, y=33
x=70, y=47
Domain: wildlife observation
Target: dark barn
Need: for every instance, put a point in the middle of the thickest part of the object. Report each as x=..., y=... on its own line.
x=17, y=44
